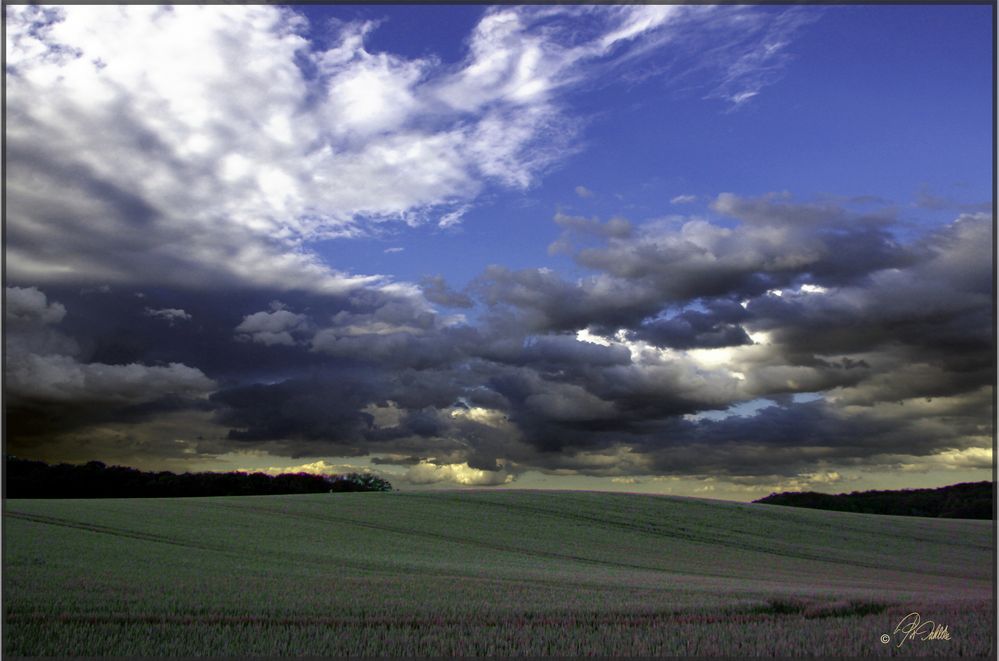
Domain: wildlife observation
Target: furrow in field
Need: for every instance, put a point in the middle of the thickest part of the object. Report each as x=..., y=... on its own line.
x=108, y=530
x=173, y=541
x=493, y=546
x=723, y=539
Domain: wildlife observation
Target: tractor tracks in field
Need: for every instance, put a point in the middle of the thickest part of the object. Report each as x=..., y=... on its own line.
x=492, y=546
x=110, y=530
x=173, y=541
x=374, y=566
x=659, y=530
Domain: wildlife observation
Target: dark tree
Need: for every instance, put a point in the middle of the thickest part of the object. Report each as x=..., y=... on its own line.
x=968, y=500
x=36, y=479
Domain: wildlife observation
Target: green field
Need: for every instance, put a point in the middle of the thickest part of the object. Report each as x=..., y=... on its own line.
x=480, y=572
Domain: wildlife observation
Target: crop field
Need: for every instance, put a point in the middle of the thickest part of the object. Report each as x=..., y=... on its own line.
x=486, y=573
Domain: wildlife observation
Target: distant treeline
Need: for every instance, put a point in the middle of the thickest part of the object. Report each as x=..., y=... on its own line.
x=35, y=479
x=968, y=500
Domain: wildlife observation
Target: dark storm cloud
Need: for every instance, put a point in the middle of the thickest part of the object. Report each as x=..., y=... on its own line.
x=436, y=290
x=934, y=315
x=52, y=385
x=787, y=440
x=307, y=409
x=718, y=326
x=776, y=244
x=543, y=301
x=897, y=336
x=551, y=352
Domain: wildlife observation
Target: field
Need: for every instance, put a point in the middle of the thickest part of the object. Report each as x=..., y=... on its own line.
x=485, y=573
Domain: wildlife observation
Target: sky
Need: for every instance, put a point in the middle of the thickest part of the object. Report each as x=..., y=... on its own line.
x=712, y=251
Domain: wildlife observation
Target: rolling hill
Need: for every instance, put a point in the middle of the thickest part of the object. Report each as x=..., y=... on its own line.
x=484, y=572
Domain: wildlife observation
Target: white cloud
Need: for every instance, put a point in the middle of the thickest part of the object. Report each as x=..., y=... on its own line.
x=170, y=315
x=683, y=199
x=319, y=467
x=63, y=378
x=231, y=167
x=750, y=65
x=428, y=473
x=453, y=218
x=583, y=191
x=237, y=159
x=270, y=328
x=30, y=305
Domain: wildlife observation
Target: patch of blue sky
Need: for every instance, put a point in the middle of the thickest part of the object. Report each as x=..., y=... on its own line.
x=881, y=107
x=743, y=410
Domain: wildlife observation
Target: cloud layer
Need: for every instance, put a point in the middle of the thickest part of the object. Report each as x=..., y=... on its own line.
x=860, y=350
x=167, y=293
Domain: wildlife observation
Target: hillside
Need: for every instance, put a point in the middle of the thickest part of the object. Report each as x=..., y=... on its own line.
x=969, y=500
x=480, y=572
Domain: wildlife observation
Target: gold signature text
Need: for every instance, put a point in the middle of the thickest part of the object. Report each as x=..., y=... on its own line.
x=912, y=626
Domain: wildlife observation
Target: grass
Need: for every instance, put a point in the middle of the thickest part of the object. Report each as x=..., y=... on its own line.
x=484, y=573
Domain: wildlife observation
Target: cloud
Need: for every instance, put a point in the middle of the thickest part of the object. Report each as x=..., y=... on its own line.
x=428, y=473
x=583, y=192
x=42, y=363
x=29, y=305
x=319, y=467
x=611, y=375
x=229, y=185
x=53, y=390
x=766, y=339
x=760, y=60
x=62, y=378
x=271, y=328
x=776, y=242
x=436, y=290
x=170, y=315
x=453, y=218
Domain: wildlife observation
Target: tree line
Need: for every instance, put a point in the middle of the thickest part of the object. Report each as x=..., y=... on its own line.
x=35, y=479
x=968, y=500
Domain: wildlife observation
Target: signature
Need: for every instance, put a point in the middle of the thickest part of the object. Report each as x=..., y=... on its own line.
x=912, y=626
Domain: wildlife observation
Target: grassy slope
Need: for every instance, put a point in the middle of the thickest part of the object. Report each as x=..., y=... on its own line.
x=482, y=572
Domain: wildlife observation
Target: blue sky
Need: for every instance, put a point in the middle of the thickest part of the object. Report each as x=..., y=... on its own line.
x=680, y=249
x=883, y=101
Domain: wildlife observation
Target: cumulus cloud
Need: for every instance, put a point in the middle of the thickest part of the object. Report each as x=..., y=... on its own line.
x=170, y=315
x=463, y=474
x=609, y=375
x=43, y=364
x=271, y=328
x=62, y=378
x=436, y=290
x=29, y=305
x=229, y=185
